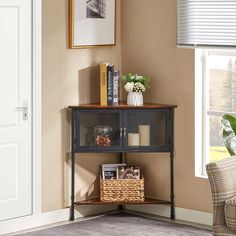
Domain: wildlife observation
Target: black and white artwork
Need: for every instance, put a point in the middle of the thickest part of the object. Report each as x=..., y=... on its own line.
x=128, y=172
x=109, y=171
x=96, y=9
x=92, y=23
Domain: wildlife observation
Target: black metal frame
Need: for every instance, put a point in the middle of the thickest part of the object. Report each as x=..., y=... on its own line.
x=121, y=150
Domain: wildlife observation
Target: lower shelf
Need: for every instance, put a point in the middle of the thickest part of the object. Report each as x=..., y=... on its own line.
x=96, y=201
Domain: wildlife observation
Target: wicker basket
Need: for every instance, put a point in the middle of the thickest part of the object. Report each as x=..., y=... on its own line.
x=122, y=190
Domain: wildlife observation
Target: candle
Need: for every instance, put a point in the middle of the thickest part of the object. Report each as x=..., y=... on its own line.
x=133, y=139
x=144, y=135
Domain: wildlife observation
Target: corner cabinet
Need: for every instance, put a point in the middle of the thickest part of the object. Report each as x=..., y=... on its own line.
x=123, y=120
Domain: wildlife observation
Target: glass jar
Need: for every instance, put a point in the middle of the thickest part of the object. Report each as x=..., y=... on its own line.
x=103, y=135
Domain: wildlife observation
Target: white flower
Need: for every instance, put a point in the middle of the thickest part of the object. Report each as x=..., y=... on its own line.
x=139, y=87
x=138, y=77
x=129, y=86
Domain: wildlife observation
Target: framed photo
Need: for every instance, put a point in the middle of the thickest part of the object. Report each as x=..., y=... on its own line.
x=128, y=172
x=92, y=23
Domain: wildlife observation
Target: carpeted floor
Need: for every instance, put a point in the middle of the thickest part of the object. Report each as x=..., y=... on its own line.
x=121, y=224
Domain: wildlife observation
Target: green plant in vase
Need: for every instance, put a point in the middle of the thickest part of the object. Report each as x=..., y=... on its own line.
x=135, y=85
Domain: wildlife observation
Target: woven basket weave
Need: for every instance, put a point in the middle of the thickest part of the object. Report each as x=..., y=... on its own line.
x=122, y=190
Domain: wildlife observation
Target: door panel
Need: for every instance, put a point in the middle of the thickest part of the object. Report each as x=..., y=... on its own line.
x=98, y=130
x=8, y=171
x=146, y=130
x=15, y=91
x=9, y=62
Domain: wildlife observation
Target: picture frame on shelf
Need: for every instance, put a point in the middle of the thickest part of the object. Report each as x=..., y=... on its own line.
x=92, y=23
x=128, y=172
x=109, y=171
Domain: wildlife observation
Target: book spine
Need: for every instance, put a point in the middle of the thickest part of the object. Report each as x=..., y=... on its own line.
x=103, y=84
x=116, y=78
x=110, y=70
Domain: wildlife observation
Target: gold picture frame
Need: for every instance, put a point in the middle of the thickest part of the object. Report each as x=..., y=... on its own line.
x=92, y=23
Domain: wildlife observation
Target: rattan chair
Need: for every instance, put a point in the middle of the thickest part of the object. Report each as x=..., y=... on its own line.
x=222, y=178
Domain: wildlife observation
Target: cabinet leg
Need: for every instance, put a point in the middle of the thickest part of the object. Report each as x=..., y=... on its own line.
x=72, y=206
x=120, y=160
x=172, y=204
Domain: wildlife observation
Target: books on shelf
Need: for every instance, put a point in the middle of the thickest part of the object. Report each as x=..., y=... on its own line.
x=115, y=96
x=110, y=72
x=103, y=84
x=109, y=85
x=120, y=171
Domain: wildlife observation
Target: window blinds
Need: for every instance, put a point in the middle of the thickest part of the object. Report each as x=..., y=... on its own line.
x=207, y=22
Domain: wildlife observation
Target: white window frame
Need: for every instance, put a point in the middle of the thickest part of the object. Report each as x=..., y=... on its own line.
x=201, y=108
x=199, y=114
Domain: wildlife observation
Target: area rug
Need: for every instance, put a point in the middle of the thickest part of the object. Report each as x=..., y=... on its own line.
x=121, y=224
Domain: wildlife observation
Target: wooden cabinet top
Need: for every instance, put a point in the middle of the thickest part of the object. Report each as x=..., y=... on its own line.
x=123, y=105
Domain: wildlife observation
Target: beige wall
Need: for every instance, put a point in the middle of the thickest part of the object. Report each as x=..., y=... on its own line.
x=69, y=76
x=149, y=47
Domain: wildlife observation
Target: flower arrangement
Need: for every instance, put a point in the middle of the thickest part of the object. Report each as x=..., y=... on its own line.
x=135, y=83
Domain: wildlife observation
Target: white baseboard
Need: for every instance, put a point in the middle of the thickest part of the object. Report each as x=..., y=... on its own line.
x=182, y=214
x=43, y=219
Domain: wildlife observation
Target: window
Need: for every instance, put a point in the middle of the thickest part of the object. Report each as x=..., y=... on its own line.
x=215, y=95
x=206, y=23
x=210, y=24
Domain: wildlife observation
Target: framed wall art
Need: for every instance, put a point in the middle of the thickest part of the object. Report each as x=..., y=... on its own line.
x=92, y=23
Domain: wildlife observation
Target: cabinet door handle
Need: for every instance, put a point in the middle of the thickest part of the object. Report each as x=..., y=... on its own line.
x=121, y=132
x=124, y=132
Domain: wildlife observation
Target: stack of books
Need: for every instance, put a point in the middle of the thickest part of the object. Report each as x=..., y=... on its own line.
x=109, y=85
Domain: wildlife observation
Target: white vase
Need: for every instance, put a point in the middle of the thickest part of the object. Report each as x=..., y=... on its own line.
x=135, y=99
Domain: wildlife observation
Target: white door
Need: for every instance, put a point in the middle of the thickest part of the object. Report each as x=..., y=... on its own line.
x=15, y=108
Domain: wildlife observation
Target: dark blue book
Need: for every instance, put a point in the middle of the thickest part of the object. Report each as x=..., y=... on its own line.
x=110, y=71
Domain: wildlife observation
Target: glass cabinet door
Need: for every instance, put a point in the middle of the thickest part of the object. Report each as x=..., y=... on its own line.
x=98, y=130
x=147, y=130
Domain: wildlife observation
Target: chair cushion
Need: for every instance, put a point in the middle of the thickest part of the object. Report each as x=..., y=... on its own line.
x=230, y=213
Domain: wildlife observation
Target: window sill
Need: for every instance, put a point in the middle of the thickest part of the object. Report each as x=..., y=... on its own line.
x=201, y=176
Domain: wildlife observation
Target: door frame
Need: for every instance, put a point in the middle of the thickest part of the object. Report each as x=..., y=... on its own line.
x=36, y=105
